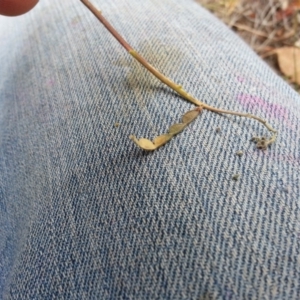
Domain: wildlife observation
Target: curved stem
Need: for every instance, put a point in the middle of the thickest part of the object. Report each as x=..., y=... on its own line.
x=189, y=97
x=178, y=88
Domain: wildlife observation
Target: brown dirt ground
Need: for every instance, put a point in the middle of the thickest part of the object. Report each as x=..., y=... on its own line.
x=265, y=25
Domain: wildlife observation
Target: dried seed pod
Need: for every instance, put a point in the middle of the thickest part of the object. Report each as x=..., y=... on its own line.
x=190, y=116
x=162, y=139
x=177, y=128
x=144, y=143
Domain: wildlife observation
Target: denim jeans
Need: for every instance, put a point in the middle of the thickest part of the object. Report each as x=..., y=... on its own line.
x=85, y=214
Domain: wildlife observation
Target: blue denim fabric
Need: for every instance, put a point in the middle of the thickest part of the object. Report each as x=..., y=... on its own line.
x=85, y=214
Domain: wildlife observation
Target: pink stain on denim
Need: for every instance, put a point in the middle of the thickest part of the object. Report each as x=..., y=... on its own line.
x=240, y=79
x=272, y=110
x=50, y=83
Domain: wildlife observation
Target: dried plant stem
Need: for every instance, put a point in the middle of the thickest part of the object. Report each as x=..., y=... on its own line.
x=249, y=29
x=178, y=88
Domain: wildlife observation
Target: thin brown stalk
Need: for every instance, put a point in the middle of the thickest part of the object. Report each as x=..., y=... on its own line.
x=178, y=88
x=248, y=29
x=108, y=26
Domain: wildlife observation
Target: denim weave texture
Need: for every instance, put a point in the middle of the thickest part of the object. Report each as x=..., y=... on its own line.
x=85, y=214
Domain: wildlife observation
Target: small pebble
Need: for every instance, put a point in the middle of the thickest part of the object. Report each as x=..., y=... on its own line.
x=235, y=177
x=239, y=153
